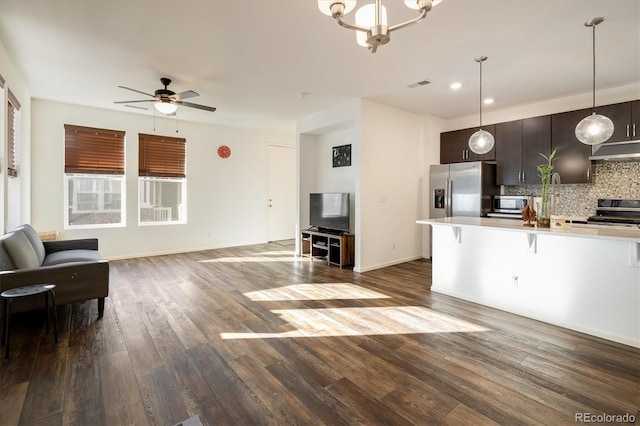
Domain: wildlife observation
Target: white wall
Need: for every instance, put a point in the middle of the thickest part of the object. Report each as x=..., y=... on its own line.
x=226, y=197
x=329, y=178
x=15, y=192
x=391, y=174
x=391, y=150
x=315, y=133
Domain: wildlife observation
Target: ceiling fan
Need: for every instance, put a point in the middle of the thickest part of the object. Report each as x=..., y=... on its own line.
x=166, y=101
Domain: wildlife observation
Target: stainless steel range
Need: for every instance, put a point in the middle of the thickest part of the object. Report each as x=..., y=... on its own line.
x=616, y=211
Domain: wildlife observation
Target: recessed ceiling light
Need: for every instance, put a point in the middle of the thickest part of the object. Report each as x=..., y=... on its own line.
x=488, y=101
x=456, y=85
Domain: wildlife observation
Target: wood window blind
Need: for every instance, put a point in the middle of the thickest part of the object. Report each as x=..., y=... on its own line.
x=13, y=106
x=93, y=151
x=161, y=156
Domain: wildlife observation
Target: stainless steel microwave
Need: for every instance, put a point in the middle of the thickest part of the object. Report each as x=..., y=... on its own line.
x=509, y=203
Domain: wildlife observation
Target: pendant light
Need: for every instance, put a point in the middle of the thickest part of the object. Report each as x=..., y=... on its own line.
x=595, y=128
x=481, y=141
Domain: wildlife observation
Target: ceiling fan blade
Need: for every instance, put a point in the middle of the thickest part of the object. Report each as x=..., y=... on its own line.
x=134, y=90
x=137, y=107
x=196, y=106
x=186, y=95
x=131, y=102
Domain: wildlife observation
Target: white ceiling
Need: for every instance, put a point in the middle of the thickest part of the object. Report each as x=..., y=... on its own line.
x=252, y=59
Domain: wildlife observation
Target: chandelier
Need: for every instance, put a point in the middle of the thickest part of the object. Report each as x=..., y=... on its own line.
x=371, y=20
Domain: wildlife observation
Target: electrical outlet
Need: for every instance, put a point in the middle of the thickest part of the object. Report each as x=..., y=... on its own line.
x=394, y=246
x=515, y=280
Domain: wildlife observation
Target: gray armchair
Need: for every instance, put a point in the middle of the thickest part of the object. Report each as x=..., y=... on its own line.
x=74, y=266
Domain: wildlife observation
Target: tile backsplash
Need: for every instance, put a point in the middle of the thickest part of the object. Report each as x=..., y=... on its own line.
x=612, y=179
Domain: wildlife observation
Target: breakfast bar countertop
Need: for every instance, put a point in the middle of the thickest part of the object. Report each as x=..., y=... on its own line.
x=620, y=233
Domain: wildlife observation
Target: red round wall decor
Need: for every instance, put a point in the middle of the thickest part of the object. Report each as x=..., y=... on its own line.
x=224, y=151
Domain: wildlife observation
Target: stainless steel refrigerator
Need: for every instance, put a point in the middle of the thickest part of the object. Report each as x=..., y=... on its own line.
x=462, y=189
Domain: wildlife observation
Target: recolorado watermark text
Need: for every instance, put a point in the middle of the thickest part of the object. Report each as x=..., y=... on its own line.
x=604, y=418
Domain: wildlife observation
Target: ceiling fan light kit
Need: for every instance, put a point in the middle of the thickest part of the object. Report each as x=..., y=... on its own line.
x=165, y=107
x=595, y=128
x=371, y=20
x=166, y=101
x=481, y=141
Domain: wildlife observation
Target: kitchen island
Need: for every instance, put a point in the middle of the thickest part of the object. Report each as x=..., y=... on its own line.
x=584, y=277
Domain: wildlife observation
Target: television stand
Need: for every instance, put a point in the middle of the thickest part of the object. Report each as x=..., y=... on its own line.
x=336, y=248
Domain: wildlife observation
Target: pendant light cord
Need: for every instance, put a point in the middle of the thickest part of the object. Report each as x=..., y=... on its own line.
x=593, y=109
x=481, y=95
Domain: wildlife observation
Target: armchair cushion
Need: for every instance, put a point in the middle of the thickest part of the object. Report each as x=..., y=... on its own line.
x=67, y=256
x=35, y=241
x=20, y=250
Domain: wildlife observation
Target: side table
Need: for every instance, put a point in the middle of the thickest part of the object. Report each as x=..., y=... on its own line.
x=7, y=297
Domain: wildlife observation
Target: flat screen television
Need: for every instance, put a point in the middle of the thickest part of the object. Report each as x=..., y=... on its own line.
x=329, y=211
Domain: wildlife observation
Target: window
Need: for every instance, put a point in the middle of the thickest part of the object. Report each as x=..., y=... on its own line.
x=161, y=180
x=94, y=177
x=13, y=113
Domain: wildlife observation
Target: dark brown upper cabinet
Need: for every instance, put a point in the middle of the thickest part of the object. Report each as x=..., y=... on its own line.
x=634, y=132
x=509, y=153
x=572, y=159
x=519, y=144
x=626, y=120
x=536, y=140
x=453, y=147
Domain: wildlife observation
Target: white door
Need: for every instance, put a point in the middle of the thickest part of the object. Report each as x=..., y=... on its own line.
x=281, y=192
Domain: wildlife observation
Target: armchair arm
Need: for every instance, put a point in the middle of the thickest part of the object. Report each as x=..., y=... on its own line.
x=79, y=244
x=74, y=281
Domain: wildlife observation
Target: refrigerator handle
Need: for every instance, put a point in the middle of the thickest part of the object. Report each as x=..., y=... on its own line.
x=448, y=199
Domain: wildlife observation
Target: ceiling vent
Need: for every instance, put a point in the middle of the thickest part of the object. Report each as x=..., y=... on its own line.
x=418, y=84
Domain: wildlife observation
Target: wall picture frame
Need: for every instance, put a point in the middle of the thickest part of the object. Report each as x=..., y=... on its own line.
x=341, y=155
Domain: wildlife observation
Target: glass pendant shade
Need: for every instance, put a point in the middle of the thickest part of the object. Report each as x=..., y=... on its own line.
x=594, y=129
x=325, y=6
x=165, y=107
x=481, y=142
x=366, y=17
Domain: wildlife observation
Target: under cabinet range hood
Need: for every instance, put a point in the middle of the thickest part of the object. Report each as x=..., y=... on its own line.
x=617, y=151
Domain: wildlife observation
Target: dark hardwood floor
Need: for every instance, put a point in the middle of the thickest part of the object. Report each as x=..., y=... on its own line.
x=253, y=335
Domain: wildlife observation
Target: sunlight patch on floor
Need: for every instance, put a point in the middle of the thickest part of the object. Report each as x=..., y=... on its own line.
x=325, y=291
x=333, y=322
x=268, y=256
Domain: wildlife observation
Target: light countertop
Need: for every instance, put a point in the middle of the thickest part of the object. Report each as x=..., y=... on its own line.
x=621, y=233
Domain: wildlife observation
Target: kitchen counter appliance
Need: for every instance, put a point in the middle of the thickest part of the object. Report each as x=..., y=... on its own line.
x=508, y=206
x=616, y=211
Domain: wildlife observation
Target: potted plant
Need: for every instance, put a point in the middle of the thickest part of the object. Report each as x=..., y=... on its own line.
x=545, y=170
